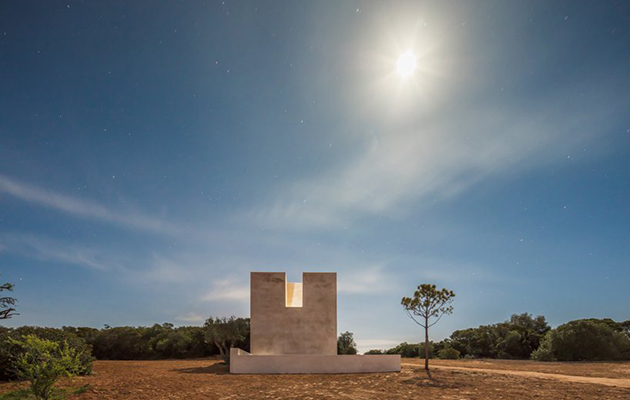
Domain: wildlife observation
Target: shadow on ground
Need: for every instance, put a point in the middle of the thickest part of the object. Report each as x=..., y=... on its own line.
x=429, y=380
x=214, y=369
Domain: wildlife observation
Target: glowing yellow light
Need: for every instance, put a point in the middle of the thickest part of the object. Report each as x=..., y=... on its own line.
x=406, y=64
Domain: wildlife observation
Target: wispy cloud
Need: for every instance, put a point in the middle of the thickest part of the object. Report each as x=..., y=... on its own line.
x=228, y=289
x=82, y=208
x=191, y=318
x=369, y=344
x=364, y=280
x=54, y=251
x=411, y=168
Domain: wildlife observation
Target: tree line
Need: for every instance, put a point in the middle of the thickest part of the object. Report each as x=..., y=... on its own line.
x=524, y=336
x=120, y=343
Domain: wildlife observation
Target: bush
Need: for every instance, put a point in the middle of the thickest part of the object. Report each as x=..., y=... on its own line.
x=515, y=338
x=406, y=350
x=149, y=343
x=449, y=353
x=544, y=351
x=9, y=350
x=411, y=350
x=583, y=340
x=346, y=344
x=421, y=350
x=42, y=362
x=511, y=345
x=374, y=352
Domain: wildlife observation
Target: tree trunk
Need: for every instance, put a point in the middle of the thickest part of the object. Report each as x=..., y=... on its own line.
x=224, y=355
x=426, y=344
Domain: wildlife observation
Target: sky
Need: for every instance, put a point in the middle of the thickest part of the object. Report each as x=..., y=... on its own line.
x=152, y=154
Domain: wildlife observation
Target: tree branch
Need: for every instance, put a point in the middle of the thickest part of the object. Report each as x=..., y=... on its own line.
x=436, y=321
x=413, y=319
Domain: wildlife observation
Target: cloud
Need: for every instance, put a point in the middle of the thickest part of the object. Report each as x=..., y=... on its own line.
x=54, y=251
x=191, y=318
x=412, y=165
x=364, y=280
x=369, y=344
x=82, y=208
x=227, y=289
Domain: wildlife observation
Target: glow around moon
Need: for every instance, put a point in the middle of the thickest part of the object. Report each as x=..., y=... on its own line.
x=406, y=64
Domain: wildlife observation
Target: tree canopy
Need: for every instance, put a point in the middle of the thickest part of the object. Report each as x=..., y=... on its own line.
x=346, y=343
x=584, y=340
x=225, y=333
x=515, y=338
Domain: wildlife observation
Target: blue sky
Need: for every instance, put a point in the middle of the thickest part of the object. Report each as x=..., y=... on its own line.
x=152, y=154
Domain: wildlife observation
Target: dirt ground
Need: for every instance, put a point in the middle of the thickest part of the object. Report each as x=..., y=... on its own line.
x=456, y=380
x=615, y=370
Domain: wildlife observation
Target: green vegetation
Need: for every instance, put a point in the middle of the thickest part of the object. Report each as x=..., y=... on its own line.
x=226, y=333
x=448, y=353
x=57, y=394
x=42, y=362
x=6, y=303
x=428, y=302
x=346, y=344
x=585, y=340
x=10, y=348
x=146, y=343
x=524, y=336
x=122, y=343
x=515, y=338
x=22, y=394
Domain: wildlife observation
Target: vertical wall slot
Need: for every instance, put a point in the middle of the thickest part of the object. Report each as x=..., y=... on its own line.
x=294, y=294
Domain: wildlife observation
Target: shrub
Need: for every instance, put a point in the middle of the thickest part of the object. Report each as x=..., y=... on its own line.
x=449, y=353
x=583, y=340
x=544, y=351
x=374, y=351
x=410, y=350
x=42, y=362
x=421, y=350
x=515, y=338
x=511, y=345
x=9, y=350
x=346, y=343
x=406, y=350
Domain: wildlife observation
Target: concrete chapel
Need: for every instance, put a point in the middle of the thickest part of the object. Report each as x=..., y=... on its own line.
x=294, y=329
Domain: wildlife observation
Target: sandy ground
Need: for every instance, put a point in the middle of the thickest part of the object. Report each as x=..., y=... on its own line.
x=456, y=380
x=573, y=378
x=615, y=370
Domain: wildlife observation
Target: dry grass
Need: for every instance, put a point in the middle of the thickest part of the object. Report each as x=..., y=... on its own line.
x=208, y=379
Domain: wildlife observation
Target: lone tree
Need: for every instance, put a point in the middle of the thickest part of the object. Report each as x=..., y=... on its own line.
x=346, y=343
x=225, y=332
x=6, y=303
x=428, y=302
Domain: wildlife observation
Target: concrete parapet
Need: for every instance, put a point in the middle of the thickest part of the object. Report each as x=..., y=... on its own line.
x=242, y=362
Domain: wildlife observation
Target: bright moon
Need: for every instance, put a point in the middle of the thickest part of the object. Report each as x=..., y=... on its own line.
x=406, y=64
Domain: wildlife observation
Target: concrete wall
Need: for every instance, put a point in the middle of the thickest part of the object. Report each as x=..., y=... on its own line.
x=277, y=329
x=242, y=362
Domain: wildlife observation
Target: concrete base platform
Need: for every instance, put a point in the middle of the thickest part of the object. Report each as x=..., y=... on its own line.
x=242, y=362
